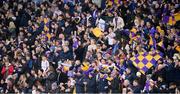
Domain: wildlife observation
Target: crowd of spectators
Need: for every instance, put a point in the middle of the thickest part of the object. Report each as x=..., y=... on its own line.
x=47, y=46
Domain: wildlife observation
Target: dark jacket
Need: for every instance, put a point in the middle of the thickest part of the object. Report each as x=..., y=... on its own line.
x=67, y=31
x=115, y=85
x=137, y=89
x=130, y=77
x=79, y=85
x=103, y=85
x=24, y=17
x=172, y=90
x=154, y=90
x=80, y=51
x=66, y=55
x=36, y=64
x=51, y=78
x=91, y=85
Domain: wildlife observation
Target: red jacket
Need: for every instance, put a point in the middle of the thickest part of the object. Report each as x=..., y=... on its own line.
x=10, y=70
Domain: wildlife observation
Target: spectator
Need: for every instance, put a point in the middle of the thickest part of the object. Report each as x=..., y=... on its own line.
x=7, y=69
x=44, y=64
x=118, y=22
x=91, y=83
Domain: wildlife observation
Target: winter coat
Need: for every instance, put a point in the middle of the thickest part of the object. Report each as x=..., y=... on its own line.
x=5, y=72
x=79, y=85
x=51, y=78
x=91, y=85
x=115, y=85
x=102, y=85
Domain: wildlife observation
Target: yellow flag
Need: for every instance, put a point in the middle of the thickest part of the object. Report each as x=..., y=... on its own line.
x=150, y=41
x=66, y=68
x=45, y=20
x=177, y=16
x=160, y=30
x=49, y=36
x=46, y=28
x=171, y=21
x=109, y=3
x=133, y=30
x=97, y=32
x=178, y=48
x=109, y=78
x=85, y=67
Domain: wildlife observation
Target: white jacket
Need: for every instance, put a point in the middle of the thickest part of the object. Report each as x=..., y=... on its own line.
x=119, y=24
x=44, y=65
x=101, y=24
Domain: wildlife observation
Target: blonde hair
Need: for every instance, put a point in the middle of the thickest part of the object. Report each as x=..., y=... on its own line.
x=12, y=25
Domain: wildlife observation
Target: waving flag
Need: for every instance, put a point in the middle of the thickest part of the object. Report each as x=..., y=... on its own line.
x=133, y=35
x=160, y=30
x=46, y=24
x=85, y=66
x=113, y=2
x=177, y=48
x=48, y=36
x=177, y=16
x=171, y=20
x=160, y=44
x=97, y=32
x=144, y=61
x=152, y=42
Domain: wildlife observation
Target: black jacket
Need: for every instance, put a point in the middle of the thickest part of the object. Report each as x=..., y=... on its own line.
x=115, y=85
x=91, y=85
x=102, y=85
x=80, y=51
x=79, y=85
x=137, y=89
x=51, y=78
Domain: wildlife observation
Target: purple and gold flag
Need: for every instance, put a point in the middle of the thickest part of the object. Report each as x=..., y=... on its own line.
x=113, y=2
x=145, y=60
x=160, y=44
x=152, y=41
x=46, y=24
x=171, y=20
